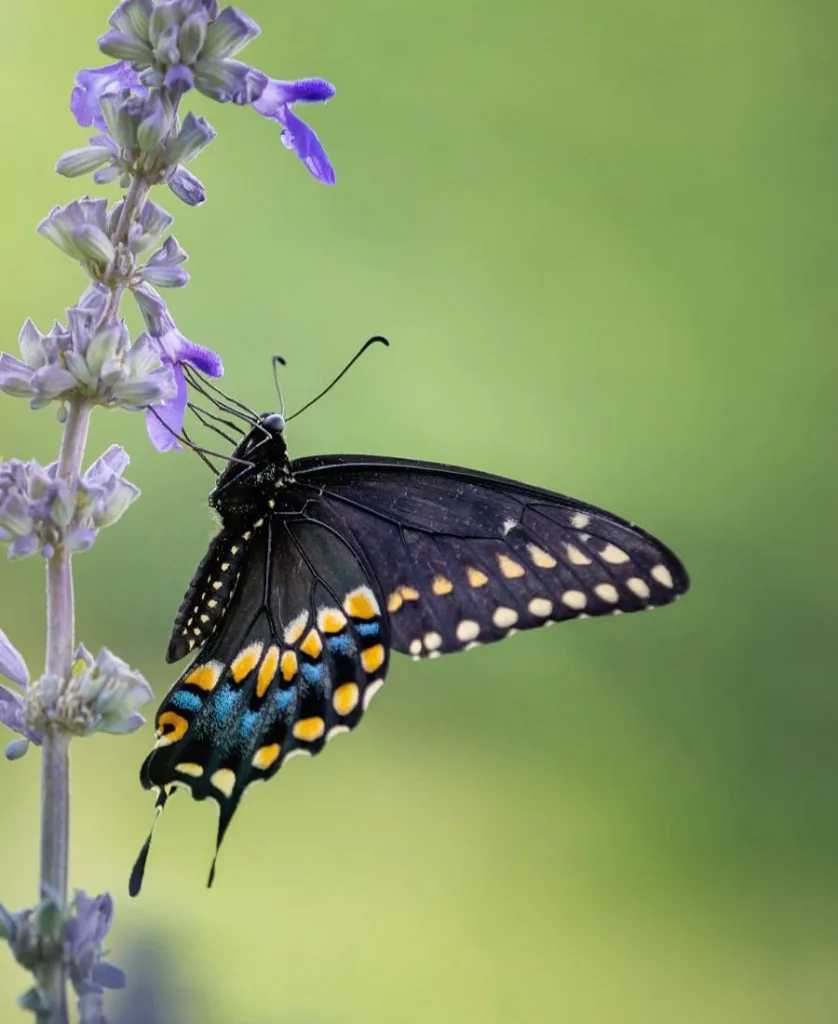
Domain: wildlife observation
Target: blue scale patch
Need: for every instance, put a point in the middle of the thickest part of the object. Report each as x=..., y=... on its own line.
x=367, y=628
x=225, y=702
x=283, y=697
x=186, y=701
x=341, y=644
x=248, y=723
x=311, y=673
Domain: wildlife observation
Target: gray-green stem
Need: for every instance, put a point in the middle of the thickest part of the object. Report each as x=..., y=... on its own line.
x=55, y=763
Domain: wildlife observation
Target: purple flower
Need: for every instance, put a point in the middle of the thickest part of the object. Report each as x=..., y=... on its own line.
x=164, y=421
x=12, y=705
x=276, y=102
x=94, y=83
x=83, y=937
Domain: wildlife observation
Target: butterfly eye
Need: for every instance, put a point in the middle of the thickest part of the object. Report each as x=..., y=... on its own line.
x=275, y=421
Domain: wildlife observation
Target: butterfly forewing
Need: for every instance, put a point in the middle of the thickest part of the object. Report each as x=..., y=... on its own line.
x=465, y=558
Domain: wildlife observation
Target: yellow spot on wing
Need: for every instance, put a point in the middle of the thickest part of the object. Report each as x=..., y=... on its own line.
x=662, y=575
x=309, y=729
x=266, y=756
x=345, y=698
x=361, y=604
x=267, y=671
x=576, y=556
x=541, y=606
x=224, y=780
x=409, y=593
x=574, y=599
x=373, y=658
x=505, y=617
x=331, y=620
x=476, y=578
x=245, y=662
x=312, y=645
x=190, y=768
x=206, y=676
x=294, y=629
x=467, y=629
x=394, y=601
x=509, y=567
x=288, y=666
x=608, y=592
x=638, y=586
x=442, y=585
x=579, y=520
x=540, y=557
x=177, y=726
x=611, y=553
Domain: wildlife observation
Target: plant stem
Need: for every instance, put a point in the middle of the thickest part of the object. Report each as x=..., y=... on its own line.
x=55, y=763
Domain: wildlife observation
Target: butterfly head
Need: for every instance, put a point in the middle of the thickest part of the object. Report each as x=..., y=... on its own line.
x=257, y=467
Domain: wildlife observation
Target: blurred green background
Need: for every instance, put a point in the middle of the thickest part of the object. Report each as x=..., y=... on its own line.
x=601, y=238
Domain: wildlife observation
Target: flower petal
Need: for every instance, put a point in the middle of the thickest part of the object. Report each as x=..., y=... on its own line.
x=11, y=709
x=303, y=140
x=202, y=359
x=279, y=94
x=93, y=83
x=163, y=422
x=12, y=665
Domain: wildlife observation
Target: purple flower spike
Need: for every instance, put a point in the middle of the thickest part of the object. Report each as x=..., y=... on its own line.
x=94, y=83
x=276, y=102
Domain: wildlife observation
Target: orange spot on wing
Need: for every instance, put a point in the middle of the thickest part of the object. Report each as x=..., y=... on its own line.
x=245, y=662
x=373, y=658
x=266, y=756
x=309, y=729
x=267, y=671
x=345, y=698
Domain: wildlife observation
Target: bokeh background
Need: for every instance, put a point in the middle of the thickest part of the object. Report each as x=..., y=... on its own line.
x=602, y=240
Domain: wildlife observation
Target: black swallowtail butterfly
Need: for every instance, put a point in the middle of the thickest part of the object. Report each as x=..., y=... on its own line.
x=325, y=565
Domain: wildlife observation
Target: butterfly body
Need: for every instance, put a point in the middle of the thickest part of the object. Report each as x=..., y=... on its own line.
x=323, y=565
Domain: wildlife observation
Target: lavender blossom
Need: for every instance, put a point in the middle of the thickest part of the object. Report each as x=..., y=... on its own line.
x=12, y=705
x=276, y=102
x=41, y=511
x=94, y=83
x=102, y=694
x=87, y=358
x=165, y=421
x=84, y=934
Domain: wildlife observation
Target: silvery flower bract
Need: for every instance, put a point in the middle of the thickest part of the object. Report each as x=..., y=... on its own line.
x=41, y=511
x=100, y=363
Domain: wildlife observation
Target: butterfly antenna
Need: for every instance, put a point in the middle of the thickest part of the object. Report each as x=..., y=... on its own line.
x=135, y=883
x=349, y=365
x=277, y=362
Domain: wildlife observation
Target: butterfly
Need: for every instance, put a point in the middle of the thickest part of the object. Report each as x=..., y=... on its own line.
x=325, y=565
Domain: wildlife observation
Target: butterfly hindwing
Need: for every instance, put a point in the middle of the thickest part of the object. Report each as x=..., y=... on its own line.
x=465, y=558
x=299, y=653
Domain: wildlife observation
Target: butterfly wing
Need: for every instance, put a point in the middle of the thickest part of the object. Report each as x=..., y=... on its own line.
x=464, y=557
x=295, y=659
